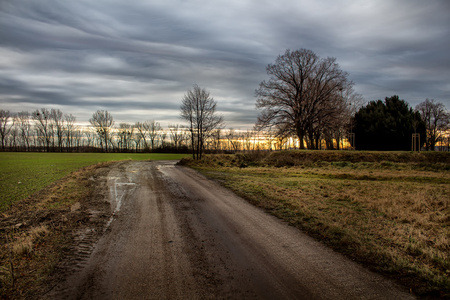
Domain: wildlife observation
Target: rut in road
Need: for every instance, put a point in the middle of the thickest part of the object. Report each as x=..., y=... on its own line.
x=176, y=235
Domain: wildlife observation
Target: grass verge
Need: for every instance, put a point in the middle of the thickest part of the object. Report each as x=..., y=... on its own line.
x=387, y=210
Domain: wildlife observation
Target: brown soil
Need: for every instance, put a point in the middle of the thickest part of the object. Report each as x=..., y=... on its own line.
x=74, y=222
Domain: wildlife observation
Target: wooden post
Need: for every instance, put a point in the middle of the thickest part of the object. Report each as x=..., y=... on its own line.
x=415, y=143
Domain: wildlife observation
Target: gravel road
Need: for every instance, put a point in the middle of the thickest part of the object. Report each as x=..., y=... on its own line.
x=174, y=234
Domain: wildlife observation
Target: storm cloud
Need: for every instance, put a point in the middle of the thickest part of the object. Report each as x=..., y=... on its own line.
x=137, y=58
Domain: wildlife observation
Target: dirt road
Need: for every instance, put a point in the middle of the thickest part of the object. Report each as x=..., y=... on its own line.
x=176, y=235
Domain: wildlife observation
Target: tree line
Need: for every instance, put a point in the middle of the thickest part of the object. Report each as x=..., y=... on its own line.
x=51, y=130
x=307, y=102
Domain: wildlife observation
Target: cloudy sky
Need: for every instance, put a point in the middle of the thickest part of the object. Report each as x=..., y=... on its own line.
x=137, y=58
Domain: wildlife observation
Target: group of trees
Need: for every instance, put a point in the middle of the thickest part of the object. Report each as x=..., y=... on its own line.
x=148, y=136
x=387, y=125
x=390, y=125
x=307, y=102
x=311, y=97
x=53, y=131
x=46, y=129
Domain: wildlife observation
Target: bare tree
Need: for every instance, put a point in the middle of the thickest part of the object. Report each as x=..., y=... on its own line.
x=247, y=140
x=23, y=121
x=126, y=132
x=103, y=121
x=89, y=137
x=198, y=108
x=5, y=126
x=137, y=136
x=154, y=132
x=301, y=94
x=69, y=129
x=437, y=121
x=44, y=128
x=58, y=123
x=233, y=140
x=216, y=139
x=176, y=133
x=14, y=135
x=142, y=132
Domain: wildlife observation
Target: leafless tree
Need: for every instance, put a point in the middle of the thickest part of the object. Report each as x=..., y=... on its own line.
x=14, y=135
x=437, y=121
x=148, y=131
x=216, y=140
x=198, y=108
x=176, y=133
x=69, y=129
x=103, y=122
x=22, y=119
x=141, y=133
x=58, y=123
x=44, y=127
x=89, y=137
x=247, y=140
x=126, y=132
x=137, y=136
x=233, y=138
x=6, y=124
x=301, y=94
x=154, y=131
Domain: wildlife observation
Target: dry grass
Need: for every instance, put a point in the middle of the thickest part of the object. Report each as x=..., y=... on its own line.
x=392, y=216
x=24, y=243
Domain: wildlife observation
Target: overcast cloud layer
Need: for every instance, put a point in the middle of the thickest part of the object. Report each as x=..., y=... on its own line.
x=138, y=58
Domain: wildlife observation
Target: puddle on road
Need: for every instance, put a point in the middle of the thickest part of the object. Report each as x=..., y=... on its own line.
x=117, y=191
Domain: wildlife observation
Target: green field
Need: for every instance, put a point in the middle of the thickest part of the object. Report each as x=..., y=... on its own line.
x=22, y=174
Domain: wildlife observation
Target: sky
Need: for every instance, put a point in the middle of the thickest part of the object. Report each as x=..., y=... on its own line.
x=137, y=58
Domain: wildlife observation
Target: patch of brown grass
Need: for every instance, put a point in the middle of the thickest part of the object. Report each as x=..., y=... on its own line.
x=23, y=245
x=393, y=216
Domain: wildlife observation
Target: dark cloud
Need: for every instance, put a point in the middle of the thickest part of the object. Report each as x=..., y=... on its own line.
x=138, y=58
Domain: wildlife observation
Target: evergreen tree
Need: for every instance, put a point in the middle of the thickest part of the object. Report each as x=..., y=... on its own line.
x=387, y=125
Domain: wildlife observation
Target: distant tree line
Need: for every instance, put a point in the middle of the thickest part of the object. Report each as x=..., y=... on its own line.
x=51, y=130
x=308, y=102
x=379, y=125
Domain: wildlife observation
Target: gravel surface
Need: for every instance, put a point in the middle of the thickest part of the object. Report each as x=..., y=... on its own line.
x=173, y=234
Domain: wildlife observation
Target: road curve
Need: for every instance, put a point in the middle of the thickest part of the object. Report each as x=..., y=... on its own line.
x=177, y=235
